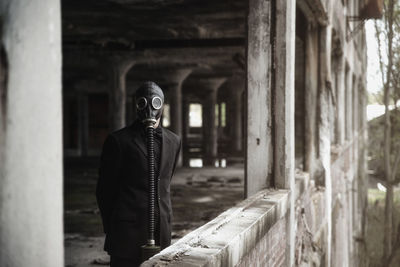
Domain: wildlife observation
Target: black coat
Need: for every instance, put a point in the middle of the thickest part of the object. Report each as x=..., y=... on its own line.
x=123, y=185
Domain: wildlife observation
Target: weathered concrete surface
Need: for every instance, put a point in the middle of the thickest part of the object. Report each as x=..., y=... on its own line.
x=258, y=117
x=31, y=228
x=324, y=101
x=311, y=83
x=228, y=239
x=311, y=222
x=284, y=109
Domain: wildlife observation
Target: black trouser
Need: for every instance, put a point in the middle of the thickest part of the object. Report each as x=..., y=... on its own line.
x=133, y=262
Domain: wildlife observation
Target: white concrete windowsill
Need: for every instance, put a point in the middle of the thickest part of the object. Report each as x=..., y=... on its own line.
x=229, y=237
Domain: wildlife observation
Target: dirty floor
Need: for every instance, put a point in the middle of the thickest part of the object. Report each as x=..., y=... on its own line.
x=207, y=191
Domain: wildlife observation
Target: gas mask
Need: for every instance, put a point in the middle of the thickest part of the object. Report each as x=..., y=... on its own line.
x=149, y=103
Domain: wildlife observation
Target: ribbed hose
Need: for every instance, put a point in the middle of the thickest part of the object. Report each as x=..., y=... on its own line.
x=152, y=186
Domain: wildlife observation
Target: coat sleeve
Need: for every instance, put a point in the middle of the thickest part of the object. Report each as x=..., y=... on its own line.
x=107, y=184
x=177, y=156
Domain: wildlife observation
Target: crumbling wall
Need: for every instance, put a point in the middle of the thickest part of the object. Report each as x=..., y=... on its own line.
x=253, y=233
x=329, y=195
x=311, y=225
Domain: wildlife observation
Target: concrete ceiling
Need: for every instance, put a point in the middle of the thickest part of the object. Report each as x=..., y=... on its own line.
x=205, y=35
x=129, y=21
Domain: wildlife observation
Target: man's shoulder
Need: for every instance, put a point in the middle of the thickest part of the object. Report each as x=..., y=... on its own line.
x=123, y=133
x=172, y=136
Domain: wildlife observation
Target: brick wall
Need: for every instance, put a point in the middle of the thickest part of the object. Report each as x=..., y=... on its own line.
x=251, y=234
x=270, y=250
x=311, y=225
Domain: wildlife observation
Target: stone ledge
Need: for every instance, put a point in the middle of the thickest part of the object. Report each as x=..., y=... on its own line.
x=229, y=237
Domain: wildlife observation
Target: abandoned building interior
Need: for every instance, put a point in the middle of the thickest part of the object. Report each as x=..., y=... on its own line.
x=276, y=88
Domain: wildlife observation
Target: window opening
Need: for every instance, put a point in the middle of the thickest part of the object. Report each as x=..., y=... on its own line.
x=195, y=115
x=166, y=117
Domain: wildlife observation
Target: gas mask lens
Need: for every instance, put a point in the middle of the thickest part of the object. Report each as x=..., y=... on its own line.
x=141, y=103
x=156, y=102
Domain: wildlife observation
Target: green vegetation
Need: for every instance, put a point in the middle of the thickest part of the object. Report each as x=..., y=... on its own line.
x=376, y=198
x=376, y=140
x=375, y=217
x=375, y=98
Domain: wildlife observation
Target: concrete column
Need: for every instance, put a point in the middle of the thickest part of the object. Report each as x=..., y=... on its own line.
x=210, y=136
x=258, y=168
x=185, y=133
x=324, y=130
x=355, y=108
x=219, y=117
x=348, y=103
x=284, y=120
x=237, y=87
x=117, y=70
x=31, y=195
x=176, y=78
x=340, y=126
x=311, y=99
x=238, y=122
x=129, y=109
x=83, y=124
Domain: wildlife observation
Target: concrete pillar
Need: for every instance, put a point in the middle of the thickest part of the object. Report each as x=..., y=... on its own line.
x=237, y=87
x=237, y=122
x=219, y=113
x=324, y=130
x=355, y=107
x=31, y=195
x=83, y=124
x=348, y=103
x=340, y=86
x=258, y=168
x=210, y=137
x=311, y=99
x=175, y=79
x=130, y=109
x=185, y=133
x=117, y=70
x=284, y=113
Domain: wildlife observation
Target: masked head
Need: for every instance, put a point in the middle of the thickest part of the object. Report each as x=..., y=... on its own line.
x=149, y=102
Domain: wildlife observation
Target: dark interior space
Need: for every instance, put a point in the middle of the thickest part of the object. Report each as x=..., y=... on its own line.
x=195, y=51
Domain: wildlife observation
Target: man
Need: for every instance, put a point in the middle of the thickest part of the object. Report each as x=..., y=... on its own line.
x=122, y=188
